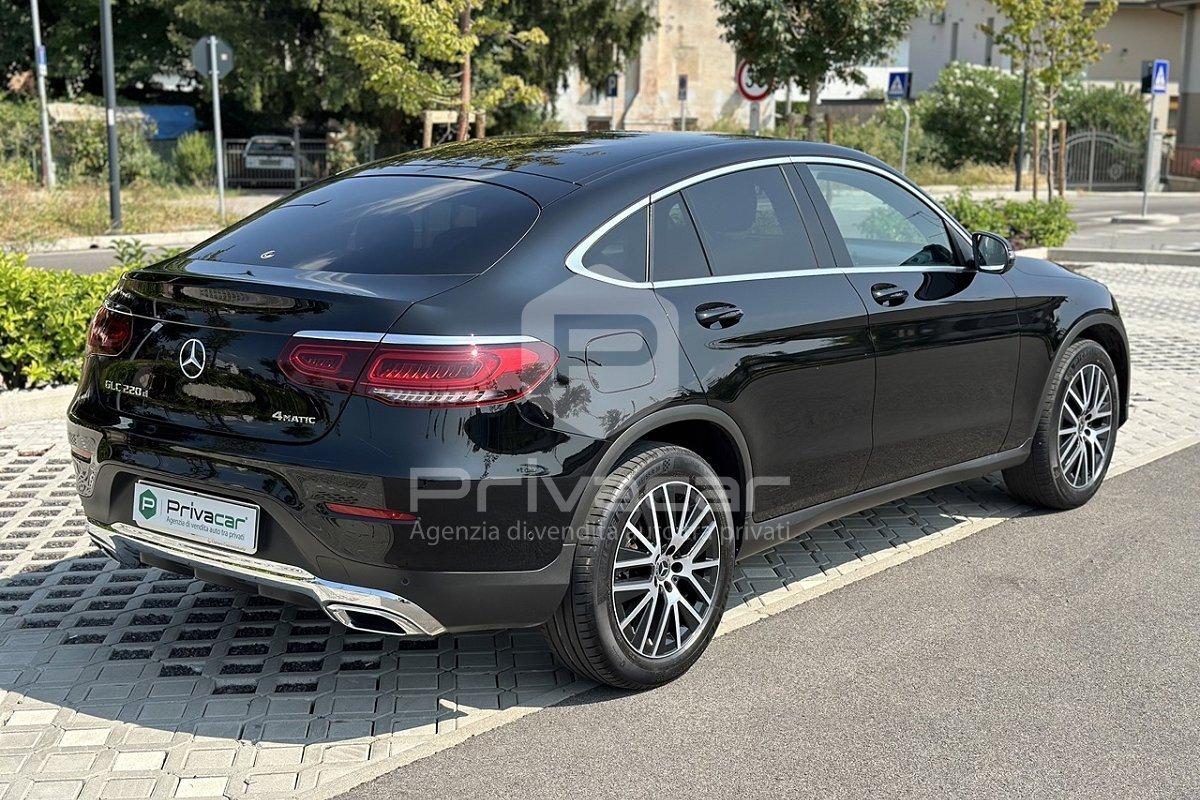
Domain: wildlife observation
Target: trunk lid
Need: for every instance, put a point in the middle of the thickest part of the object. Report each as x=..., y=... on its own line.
x=206, y=337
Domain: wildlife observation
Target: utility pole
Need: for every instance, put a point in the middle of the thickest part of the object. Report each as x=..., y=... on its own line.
x=110, y=114
x=1021, y=126
x=39, y=65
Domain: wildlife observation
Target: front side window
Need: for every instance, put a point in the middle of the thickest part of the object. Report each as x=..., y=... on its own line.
x=675, y=248
x=749, y=222
x=384, y=225
x=621, y=252
x=882, y=223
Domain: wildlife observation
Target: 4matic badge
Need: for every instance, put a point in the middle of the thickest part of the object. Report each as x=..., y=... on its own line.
x=282, y=417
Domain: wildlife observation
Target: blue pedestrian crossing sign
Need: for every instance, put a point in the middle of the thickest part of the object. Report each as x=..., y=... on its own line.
x=1158, y=81
x=897, y=85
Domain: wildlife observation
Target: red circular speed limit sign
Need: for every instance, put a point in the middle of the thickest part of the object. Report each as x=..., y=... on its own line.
x=751, y=90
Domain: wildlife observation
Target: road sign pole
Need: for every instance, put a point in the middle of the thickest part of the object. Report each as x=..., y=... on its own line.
x=904, y=147
x=217, y=143
x=39, y=58
x=110, y=115
x=1147, y=169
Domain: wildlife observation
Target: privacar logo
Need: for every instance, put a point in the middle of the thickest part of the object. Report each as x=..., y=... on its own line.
x=147, y=504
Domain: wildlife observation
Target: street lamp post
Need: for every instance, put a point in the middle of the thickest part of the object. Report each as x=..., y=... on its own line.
x=110, y=114
x=39, y=65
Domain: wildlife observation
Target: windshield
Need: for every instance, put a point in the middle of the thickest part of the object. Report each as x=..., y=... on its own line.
x=391, y=224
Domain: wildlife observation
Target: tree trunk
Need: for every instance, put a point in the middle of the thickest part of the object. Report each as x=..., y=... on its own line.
x=810, y=113
x=464, y=98
x=1049, y=150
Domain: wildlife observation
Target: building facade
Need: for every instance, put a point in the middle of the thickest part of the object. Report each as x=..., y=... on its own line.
x=687, y=42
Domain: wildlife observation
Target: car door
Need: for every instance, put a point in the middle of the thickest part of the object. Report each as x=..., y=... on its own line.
x=778, y=342
x=945, y=334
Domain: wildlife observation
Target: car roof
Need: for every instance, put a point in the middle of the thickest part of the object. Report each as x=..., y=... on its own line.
x=581, y=158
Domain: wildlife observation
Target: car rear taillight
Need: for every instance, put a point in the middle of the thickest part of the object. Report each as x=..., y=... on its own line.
x=421, y=375
x=325, y=365
x=109, y=332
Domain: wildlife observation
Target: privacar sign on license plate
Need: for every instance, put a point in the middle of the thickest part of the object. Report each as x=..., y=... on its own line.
x=199, y=517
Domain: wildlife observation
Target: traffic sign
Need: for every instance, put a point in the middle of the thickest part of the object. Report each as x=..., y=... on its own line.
x=1158, y=80
x=200, y=52
x=898, y=85
x=610, y=85
x=749, y=88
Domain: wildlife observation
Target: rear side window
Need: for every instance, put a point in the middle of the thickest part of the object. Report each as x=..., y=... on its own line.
x=675, y=251
x=621, y=252
x=749, y=222
x=390, y=224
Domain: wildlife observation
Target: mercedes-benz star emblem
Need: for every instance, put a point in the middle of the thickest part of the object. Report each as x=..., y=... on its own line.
x=192, y=358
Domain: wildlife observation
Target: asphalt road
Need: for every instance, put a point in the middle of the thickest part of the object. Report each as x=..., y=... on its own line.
x=1094, y=213
x=1050, y=656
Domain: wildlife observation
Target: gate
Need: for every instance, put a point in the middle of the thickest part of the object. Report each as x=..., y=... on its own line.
x=1097, y=160
x=314, y=158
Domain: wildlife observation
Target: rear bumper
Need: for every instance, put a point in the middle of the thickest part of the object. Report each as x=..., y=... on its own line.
x=450, y=602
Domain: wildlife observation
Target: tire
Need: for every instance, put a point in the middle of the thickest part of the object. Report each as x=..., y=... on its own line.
x=1051, y=476
x=657, y=643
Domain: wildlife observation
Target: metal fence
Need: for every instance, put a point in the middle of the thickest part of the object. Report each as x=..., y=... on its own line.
x=1096, y=160
x=314, y=164
x=1184, y=161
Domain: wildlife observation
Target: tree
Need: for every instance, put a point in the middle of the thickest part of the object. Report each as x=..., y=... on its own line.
x=1055, y=39
x=446, y=53
x=807, y=41
x=596, y=37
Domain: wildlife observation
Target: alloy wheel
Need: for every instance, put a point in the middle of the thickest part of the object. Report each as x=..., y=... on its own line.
x=666, y=571
x=1085, y=426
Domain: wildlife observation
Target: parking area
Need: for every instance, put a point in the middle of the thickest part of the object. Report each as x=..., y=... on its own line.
x=134, y=683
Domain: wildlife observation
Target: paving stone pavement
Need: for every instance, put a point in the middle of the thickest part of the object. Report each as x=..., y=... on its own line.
x=135, y=683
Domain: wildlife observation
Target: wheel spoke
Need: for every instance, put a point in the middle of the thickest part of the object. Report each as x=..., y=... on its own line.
x=662, y=627
x=701, y=540
x=690, y=610
x=649, y=621
x=704, y=595
x=623, y=587
x=678, y=628
x=641, y=537
x=671, y=528
x=646, y=598
x=637, y=561
x=698, y=566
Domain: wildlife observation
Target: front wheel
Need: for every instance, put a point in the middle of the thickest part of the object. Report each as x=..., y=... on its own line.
x=653, y=566
x=1076, y=432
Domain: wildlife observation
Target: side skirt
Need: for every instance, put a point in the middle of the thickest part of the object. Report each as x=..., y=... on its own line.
x=760, y=536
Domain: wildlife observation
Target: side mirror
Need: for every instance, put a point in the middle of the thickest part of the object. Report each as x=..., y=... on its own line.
x=993, y=253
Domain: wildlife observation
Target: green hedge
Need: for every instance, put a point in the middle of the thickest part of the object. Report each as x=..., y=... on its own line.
x=44, y=315
x=1026, y=223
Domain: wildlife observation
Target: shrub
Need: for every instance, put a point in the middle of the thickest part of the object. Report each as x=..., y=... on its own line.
x=1117, y=110
x=44, y=315
x=972, y=113
x=82, y=147
x=1026, y=223
x=195, y=161
x=882, y=136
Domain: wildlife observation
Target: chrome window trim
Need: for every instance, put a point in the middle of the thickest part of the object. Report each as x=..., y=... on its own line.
x=575, y=257
x=574, y=260
x=417, y=339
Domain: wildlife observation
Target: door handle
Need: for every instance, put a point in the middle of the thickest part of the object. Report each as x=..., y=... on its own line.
x=718, y=315
x=888, y=294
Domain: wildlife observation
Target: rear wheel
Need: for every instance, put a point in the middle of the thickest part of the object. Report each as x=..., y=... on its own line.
x=1076, y=433
x=652, y=570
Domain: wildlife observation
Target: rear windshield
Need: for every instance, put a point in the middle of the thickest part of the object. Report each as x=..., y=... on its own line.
x=390, y=225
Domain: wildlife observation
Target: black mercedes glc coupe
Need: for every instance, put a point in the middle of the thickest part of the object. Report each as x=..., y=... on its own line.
x=568, y=380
